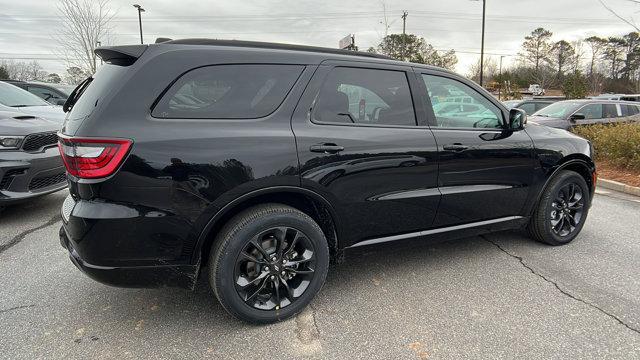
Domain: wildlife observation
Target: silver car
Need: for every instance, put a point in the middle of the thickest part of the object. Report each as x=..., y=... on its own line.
x=30, y=163
x=15, y=99
x=569, y=113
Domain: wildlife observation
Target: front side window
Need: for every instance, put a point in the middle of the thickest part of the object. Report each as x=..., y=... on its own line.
x=591, y=111
x=479, y=113
x=365, y=97
x=245, y=91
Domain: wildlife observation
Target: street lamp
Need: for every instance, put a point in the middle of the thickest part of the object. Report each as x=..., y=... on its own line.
x=140, y=11
x=484, y=8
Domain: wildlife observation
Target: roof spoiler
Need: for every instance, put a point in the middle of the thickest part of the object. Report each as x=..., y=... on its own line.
x=120, y=55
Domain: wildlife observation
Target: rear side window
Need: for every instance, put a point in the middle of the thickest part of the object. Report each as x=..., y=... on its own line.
x=609, y=111
x=228, y=92
x=356, y=96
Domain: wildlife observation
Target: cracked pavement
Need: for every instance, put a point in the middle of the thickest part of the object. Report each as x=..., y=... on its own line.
x=499, y=296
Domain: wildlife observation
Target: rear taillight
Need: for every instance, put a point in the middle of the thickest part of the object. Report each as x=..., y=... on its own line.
x=92, y=158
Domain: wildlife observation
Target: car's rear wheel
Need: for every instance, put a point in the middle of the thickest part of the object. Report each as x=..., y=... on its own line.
x=268, y=262
x=562, y=209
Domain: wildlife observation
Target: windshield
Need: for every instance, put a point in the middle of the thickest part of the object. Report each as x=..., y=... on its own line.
x=13, y=96
x=559, y=110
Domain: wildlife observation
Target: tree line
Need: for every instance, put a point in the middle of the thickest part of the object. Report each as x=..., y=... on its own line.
x=590, y=65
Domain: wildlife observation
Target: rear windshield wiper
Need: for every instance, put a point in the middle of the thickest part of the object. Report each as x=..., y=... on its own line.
x=75, y=94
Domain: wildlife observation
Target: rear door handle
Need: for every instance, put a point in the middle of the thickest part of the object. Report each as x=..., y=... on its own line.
x=455, y=147
x=327, y=148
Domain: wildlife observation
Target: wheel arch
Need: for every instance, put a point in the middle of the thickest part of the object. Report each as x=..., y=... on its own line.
x=579, y=163
x=307, y=201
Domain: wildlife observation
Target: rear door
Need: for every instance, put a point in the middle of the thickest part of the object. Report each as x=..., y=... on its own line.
x=363, y=143
x=485, y=170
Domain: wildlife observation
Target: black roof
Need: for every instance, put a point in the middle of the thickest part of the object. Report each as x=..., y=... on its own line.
x=274, y=46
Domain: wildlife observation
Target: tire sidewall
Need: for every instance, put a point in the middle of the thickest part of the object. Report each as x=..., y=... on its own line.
x=224, y=277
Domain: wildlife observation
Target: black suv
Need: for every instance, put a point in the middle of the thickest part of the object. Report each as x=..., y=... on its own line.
x=256, y=163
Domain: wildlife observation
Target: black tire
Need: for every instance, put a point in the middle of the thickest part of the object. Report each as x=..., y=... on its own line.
x=547, y=224
x=229, y=265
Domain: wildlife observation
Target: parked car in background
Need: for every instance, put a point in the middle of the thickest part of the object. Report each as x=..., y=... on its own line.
x=528, y=105
x=566, y=114
x=15, y=99
x=55, y=94
x=263, y=171
x=30, y=163
x=536, y=90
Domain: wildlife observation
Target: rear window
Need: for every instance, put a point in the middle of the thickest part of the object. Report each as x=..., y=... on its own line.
x=228, y=92
x=105, y=79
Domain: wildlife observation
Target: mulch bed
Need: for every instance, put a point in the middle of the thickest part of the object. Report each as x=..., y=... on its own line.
x=625, y=176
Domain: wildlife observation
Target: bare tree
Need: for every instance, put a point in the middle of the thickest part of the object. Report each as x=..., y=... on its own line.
x=84, y=23
x=24, y=71
x=628, y=21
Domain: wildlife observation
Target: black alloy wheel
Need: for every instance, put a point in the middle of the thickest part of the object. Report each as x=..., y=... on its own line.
x=567, y=209
x=268, y=262
x=275, y=268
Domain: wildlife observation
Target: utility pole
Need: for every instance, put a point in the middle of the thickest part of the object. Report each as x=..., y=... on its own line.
x=484, y=8
x=140, y=11
x=404, y=34
x=500, y=72
x=98, y=44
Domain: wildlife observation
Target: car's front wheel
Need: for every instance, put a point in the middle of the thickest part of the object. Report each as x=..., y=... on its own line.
x=268, y=262
x=562, y=209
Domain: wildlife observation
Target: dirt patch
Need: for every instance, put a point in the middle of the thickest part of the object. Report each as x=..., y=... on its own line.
x=625, y=176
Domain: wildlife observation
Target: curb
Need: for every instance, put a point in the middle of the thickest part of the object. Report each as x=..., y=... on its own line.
x=618, y=186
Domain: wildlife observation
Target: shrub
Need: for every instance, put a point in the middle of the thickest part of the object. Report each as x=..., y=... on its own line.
x=618, y=143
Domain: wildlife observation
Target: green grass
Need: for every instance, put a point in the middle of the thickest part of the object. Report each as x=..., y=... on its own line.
x=617, y=144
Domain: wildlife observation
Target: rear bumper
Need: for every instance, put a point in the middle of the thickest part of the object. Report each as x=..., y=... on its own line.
x=25, y=175
x=183, y=276
x=103, y=258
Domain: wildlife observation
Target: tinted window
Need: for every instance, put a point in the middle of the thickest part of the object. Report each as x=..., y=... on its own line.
x=228, y=92
x=479, y=113
x=609, y=111
x=365, y=96
x=629, y=110
x=529, y=108
x=107, y=78
x=591, y=111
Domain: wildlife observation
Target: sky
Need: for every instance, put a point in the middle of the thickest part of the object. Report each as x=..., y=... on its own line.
x=28, y=27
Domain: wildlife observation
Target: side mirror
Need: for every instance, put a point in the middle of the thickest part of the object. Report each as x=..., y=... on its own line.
x=575, y=117
x=517, y=119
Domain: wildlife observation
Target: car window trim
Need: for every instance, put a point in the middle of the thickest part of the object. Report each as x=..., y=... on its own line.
x=433, y=123
x=369, y=66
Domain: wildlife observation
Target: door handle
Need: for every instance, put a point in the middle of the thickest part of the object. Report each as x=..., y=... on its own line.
x=455, y=147
x=327, y=148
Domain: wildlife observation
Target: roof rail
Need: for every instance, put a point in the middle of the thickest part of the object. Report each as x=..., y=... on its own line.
x=274, y=46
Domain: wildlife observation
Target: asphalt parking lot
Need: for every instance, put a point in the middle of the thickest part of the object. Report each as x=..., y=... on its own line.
x=497, y=296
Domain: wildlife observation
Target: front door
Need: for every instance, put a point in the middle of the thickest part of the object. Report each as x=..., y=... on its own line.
x=485, y=170
x=363, y=143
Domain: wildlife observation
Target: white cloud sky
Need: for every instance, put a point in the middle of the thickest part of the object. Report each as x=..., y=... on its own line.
x=27, y=27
